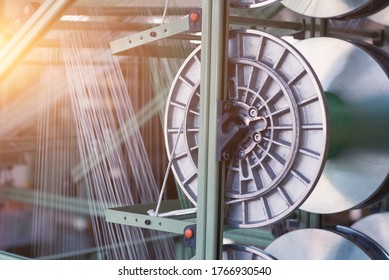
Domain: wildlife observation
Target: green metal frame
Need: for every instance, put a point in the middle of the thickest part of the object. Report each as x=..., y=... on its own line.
x=210, y=197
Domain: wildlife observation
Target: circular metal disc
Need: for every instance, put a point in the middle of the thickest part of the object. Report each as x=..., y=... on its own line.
x=375, y=226
x=325, y=8
x=251, y=3
x=278, y=170
x=374, y=6
x=240, y=252
x=365, y=242
x=381, y=17
x=315, y=244
x=360, y=170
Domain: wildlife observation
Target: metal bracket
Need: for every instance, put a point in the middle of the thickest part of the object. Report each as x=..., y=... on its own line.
x=230, y=131
x=190, y=22
x=136, y=215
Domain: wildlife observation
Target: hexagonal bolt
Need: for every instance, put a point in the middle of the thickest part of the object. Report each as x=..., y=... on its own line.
x=253, y=112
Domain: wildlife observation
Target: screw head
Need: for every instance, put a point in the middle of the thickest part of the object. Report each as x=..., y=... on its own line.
x=253, y=112
x=227, y=155
x=241, y=154
x=257, y=137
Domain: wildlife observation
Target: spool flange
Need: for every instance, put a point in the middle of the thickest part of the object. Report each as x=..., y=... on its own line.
x=251, y=3
x=315, y=244
x=359, y=172
x=280, y=100
x=343, y=9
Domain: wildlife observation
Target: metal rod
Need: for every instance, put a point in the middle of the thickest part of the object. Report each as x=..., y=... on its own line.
x=35, y=27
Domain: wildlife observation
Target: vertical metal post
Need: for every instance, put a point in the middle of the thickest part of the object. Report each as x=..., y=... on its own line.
x=210, y=199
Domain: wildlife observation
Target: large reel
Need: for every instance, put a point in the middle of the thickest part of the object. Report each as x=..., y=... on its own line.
x=340, y=9
x=241, y=252
x=340, y=243
x=375, y=226
x=279, y=152
x=381, y=17
x=357, y=75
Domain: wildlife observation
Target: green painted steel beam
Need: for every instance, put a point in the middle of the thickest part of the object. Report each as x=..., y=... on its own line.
x=210, y=198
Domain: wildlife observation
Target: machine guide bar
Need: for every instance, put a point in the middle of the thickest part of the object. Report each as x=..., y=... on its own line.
x=190, y=22
x=137, y=215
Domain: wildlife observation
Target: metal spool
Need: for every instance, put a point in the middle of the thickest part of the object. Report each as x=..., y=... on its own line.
x=366, y=243
x=251, y=3
x=381, y=17
x=341, y=9
x=375, y=226
x=240, y=252
x=278, y=116
x=357, y=174
x=315, y=244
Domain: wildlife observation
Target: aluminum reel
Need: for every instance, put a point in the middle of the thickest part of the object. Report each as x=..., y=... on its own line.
x=375, y=226
x=358, y=77
x=322, y=244
x=251, y=3
x=340, y=9
x=241, y=252
x=276, y=117
x=381, y=17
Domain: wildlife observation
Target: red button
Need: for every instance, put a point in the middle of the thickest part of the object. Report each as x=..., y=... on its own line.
x=188, y=233
x=194, y=17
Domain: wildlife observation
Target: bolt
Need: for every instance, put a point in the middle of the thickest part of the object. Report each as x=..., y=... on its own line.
x=253, y=112
x=227, y=155
x=153, y=34
x=257, y=137
x=147, y=222
x=241, y=154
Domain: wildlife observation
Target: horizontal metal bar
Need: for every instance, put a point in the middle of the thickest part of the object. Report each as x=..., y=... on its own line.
x=128, y=11
x=102, y=26
x=151, y=35
x=137, y=216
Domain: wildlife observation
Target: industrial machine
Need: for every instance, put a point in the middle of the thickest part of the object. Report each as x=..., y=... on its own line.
x=273, y=138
